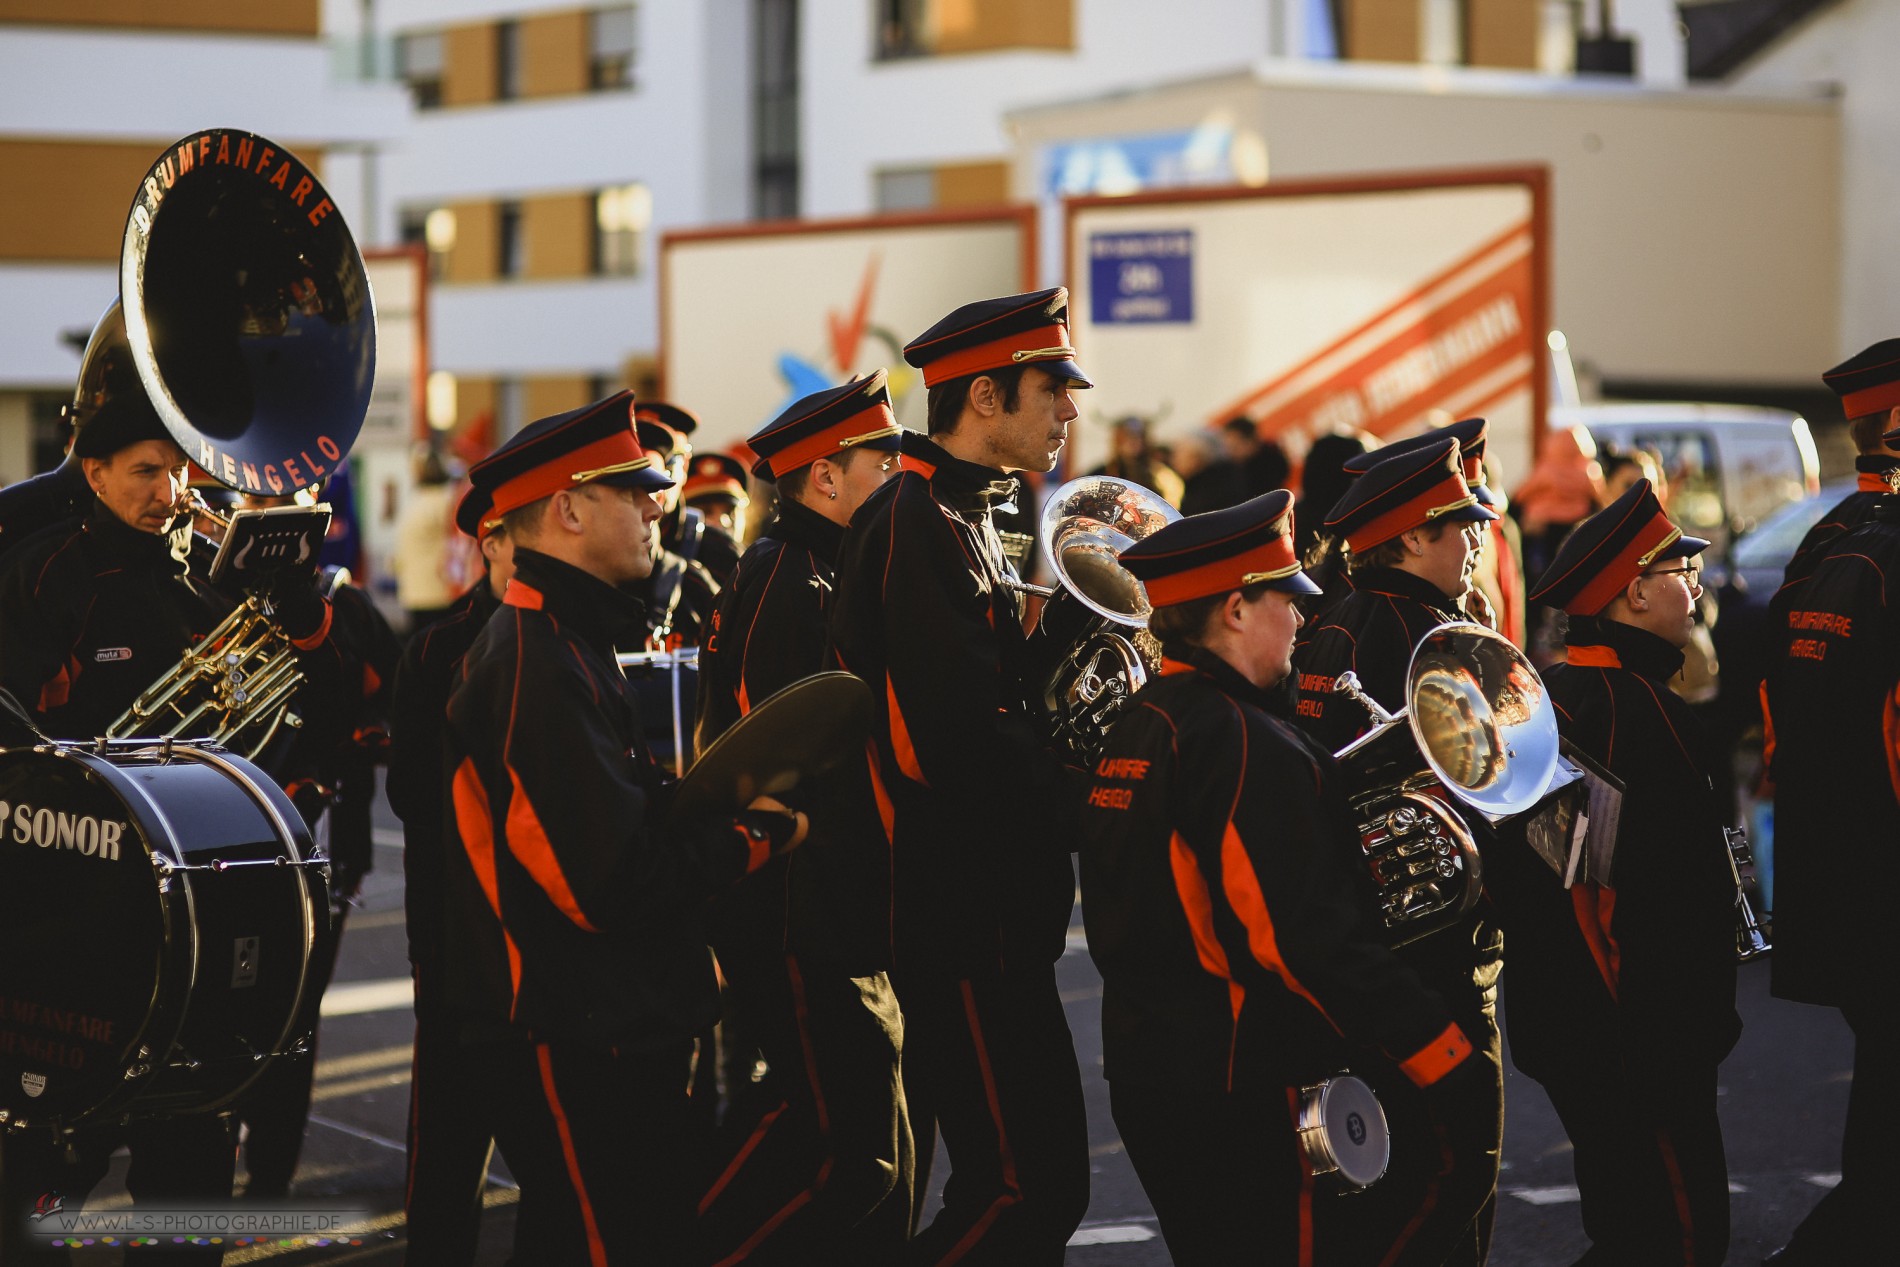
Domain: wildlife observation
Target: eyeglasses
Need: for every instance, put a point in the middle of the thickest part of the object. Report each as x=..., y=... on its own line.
x=1690, y=574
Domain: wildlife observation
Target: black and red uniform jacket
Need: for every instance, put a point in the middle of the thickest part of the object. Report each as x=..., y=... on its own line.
x=1846, y=515
x=572, y=906
x=418, y=715
x=1236, y=944
x=1639, y=974
x=1372, y=631
x=976, y=813
x=96, y=611
x=829, y=901
x=1832, y=700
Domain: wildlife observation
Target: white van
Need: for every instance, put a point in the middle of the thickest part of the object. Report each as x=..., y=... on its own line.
x=1729, y=466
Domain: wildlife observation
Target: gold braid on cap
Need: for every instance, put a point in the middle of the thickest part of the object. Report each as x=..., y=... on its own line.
x=1469, y=499
x=868, y=436
x=1675, y=534
x=1042, y=354
x=618, y=468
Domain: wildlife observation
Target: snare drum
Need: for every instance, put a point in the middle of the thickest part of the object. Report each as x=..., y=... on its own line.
x=1343, y=1131
x=164, y=904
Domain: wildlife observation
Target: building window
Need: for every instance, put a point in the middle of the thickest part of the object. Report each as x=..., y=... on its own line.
x=775, y=155
x=610, y=45
x=906, y=189
x=509, y=261
x=621, y=217
x=902, y=29
x=419, y=62
x=1441, y=35
x=431, y=227
x=507, y=61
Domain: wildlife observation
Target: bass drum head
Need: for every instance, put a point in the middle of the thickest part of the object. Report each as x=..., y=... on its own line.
x=83, y=942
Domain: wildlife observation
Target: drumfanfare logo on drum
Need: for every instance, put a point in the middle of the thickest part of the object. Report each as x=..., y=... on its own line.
x=85, y=834
x=33, y=1084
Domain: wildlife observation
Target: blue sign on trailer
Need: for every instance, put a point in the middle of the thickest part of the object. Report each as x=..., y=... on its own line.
x=1141, y=278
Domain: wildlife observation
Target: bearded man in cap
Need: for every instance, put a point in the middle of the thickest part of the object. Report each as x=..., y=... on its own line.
x=1412, y=528
x=975, y=811
x=1832, y=706
x=1621, y=991
x=577, y=961
x=804, y=945
x=1241, y=962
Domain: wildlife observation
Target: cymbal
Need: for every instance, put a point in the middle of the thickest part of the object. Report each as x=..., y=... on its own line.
x=808, y=729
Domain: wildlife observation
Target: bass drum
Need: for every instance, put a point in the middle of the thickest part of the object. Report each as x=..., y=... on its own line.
x=165, y=901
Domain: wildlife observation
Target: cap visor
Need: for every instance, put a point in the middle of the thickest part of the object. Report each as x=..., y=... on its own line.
x=1066, y=369
x=1484, y=495
x=649, y=477
x=1298, y=583
x=1683, y=547
x=1477, y=512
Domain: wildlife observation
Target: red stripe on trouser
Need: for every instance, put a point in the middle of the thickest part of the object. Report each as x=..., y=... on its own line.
x=740, y=1158
x=1426, y=1206
x=596, y=1248
x=772, y=1224
x=1014, y=1193
x=1681, y=1191
x=1306, y=1180
x=415, y=1117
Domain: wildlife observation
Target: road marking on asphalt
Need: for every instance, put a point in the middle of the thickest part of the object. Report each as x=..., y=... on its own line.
x=364, y=1061
x=1824, y=1181
x=376, y=919
x=357, y=997
x=1547, y=1196
x=1075, y=943
x=383, y=1228
x=357, y=1086
x=387, y=837
x=1112, y=1234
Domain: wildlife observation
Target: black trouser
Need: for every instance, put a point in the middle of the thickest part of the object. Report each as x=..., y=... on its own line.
x=814, y=1161
x=1853, y=1223
x=990, y=1059
x=175, y=1161
x=1227, y=1176
x=450, y=1138
x=1649, y=1163
x=604, y=1144
x=1438, y=1199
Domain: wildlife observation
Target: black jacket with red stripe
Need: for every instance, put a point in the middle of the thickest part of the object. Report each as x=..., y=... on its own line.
x=96, y=611
x=573, y=906
x=1236, y=941
x=1846, y=515
x=976, y=813
x=1640, y=974
x=830, y=901
x=430, y=666
x=1833, y=706
x=1372, y=631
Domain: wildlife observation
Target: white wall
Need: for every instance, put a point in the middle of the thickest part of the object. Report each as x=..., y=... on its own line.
x=860, y=114
x=1850, y=48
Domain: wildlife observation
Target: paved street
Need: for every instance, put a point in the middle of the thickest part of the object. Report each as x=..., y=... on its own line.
x=1784, y=1091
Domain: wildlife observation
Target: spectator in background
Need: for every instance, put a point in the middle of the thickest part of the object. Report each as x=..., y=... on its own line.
x=1623, y=467
x=1564, y=488
x=1323, y=483
x=422, y=543
x=1262, y=463
x=1210, y=481
x=1134, y=458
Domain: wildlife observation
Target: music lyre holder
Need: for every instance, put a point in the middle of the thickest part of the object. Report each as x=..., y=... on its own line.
x=260, y=546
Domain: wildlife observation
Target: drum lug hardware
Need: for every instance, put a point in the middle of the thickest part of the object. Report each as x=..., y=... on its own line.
x=186, y=1061
x=135, y=1072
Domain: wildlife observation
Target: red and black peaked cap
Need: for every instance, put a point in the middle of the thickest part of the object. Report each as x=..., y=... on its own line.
x=1221, y=551
x=594, y=444
x=855, y=416
x=715, y=475
x=1609, y=550
x=1402, y=491
x=1869, y=381
x=994, y=334
x=1470, y=433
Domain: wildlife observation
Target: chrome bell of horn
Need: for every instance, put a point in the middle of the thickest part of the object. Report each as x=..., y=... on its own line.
x=1086, y=660
x=1485, y=729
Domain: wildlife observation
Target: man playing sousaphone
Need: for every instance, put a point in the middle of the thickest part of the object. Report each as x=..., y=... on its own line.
x=1240, y=963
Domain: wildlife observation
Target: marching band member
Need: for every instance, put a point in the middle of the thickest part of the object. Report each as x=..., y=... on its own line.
x=96, y=610
x=1239, y=961
x=1833, y=706
x=571, y=912
x=1621, y=995
x=1859, y=382
x=449, y=1147
x=715, y=486
x=814, y=1161
x=679, y=590
x=714, y=547
x=1412, y=527
x=973, y=807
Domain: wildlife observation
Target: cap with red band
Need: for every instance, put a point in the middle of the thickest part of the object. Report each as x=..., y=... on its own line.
x=1221, y=551
x=1610, y=549
x=1470, y=433
x=856, y=415
x=1868, y=382
x=995, y=334
x=1406, y=491
x=594, y=444
x=715, y=475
